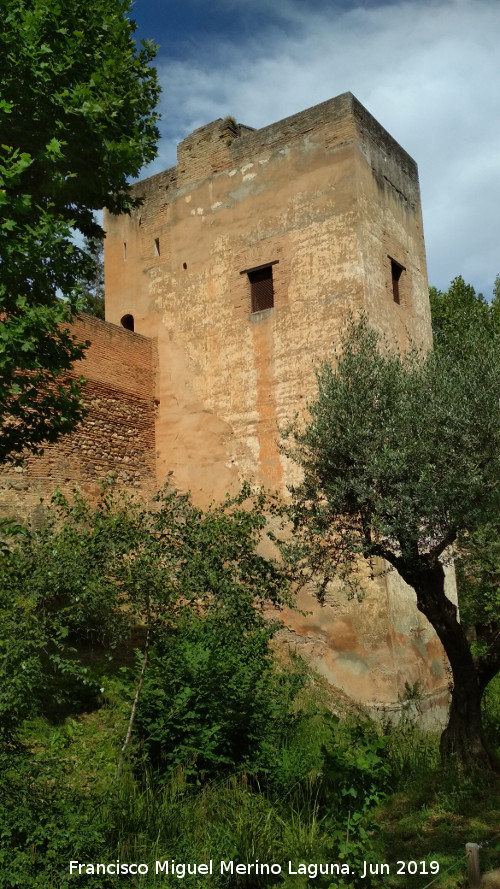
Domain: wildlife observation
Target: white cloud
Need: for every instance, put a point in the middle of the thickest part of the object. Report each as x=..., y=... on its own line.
x=426, y=70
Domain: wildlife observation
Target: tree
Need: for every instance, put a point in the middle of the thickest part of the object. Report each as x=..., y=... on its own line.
x=495, y=305
x=77, y=119
x=400, y=455
x=93, y=283
x=461, y=317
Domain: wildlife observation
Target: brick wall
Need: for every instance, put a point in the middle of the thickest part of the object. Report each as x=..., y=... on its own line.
x=116, y=439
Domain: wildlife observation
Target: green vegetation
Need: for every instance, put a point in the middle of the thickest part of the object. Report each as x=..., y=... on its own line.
x=235, y=754
x=432, y=812
x=477, y=552
x=401, y=461
x=77, y=118
x=92, y=280
x=147, y=713
x=230, y=757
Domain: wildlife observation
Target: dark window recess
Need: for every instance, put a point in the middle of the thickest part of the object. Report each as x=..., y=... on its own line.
x=157, y=246
x=396, y=272
x=127, y=322
x=124, y=249
x=261, y=288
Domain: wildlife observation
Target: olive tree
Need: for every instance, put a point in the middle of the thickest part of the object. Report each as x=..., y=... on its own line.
x=400, y=456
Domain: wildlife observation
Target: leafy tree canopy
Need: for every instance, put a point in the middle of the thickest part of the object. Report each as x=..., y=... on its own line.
x=93, y=282
x=462, y=318
x=90, y=574
x=77, y=119
x=400, y=455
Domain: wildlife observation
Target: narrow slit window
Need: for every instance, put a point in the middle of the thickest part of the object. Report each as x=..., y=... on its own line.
x=124, y=249
x=396, y=272
x=127, y=322
x=261, y=288
x=157, y=246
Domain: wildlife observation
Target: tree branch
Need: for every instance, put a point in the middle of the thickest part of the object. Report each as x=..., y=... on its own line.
x=138, y=690
x=131, y=721
x=447, y=540
x=488, y=665
x=377, y=549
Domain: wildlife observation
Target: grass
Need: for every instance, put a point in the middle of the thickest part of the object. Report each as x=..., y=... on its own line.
x=434, y=822
x=428, y=813
x=434, y=811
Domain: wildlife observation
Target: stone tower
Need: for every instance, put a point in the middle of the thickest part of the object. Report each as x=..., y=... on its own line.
x=243, y=263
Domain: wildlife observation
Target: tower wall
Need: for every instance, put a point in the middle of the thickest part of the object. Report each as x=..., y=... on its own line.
x=326, y=198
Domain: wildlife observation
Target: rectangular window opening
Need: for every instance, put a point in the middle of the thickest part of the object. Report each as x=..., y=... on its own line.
x=157, y=246
x=124, y=249
x=261, y=288
x=396, y=272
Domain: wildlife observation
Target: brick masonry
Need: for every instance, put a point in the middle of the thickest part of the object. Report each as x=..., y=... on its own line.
x=116, y=439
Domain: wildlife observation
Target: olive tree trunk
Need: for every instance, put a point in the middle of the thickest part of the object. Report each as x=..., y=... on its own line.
x=463, y=737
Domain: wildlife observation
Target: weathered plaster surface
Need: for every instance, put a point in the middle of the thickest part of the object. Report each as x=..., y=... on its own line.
x=327, y=196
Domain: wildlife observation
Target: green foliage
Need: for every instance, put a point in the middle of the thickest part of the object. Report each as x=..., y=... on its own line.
x=433, y=810
x=9, y=528
x=495, y=305
x=406, y=447
x=410, y=752
x=232, y=757
x=83, y=580
x=92, y=299
x=77, y=119
x=463, y=320
x=235, y=756
x=491, y=713
x=209, y=697
x=478, y=578
x=400, y=457
x=212, y=700
x=58, y=803
x=43, y=826
x=62, y=590
x=324, y=811
x=79, y=99
x=213, y=554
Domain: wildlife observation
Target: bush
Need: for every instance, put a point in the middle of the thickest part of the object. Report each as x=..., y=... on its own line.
x=44, y=826
x=80, y=583
x=212, y=699
x=62, y=592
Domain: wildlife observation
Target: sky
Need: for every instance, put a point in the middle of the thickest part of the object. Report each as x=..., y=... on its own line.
x=427, y=70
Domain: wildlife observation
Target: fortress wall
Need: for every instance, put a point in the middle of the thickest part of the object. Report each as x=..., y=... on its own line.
x=115, y=440
x=284, y=195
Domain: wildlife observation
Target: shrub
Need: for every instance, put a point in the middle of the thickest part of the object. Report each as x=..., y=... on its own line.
x=212, y=699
